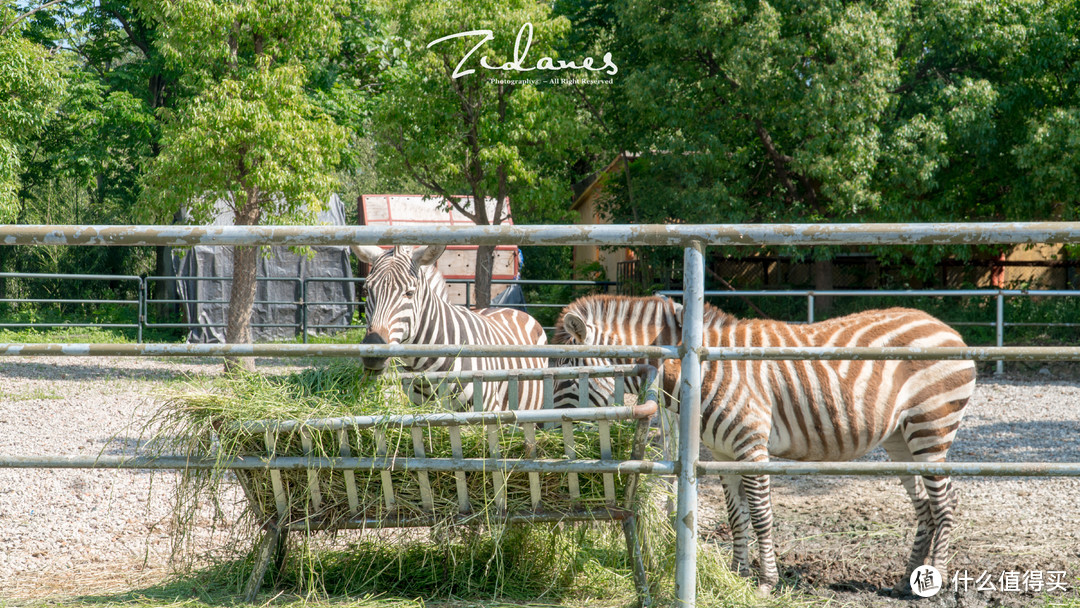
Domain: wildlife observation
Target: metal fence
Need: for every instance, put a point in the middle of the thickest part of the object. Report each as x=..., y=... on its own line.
x=998, y=323
x=144, y=303
x=691, y=352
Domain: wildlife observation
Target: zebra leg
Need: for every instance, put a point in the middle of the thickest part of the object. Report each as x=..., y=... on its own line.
x=928, y=436
x=942, y=506
x=739, y=520
x=898, y=450
x=759, y=499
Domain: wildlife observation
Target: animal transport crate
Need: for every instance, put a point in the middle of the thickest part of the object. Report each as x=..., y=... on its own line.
x=454, y=468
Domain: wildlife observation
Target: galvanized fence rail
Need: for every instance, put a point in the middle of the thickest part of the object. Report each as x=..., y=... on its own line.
x=693, y=238
x=999, y=324
x=303, y=303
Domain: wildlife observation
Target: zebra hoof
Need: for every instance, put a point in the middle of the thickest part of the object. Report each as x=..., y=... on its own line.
x=899, y=590
x=763, y=591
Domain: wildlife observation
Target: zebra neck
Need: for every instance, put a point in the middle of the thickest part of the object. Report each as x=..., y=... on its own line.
x=437, y=323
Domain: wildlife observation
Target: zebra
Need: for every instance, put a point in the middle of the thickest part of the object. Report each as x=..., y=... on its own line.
x=601, y=391
x=408, y=303
x=753, y=411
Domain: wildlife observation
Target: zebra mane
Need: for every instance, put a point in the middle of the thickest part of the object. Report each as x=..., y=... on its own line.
x=596, y=307
x=714, y=316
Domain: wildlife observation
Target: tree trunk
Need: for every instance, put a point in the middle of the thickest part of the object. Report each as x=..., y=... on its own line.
x=823, y=281
x=485, y=263
x=241, y=303
x=242, y=291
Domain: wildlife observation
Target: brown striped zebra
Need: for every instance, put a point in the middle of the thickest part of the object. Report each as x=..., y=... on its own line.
x=407, y=303
x=806, y=410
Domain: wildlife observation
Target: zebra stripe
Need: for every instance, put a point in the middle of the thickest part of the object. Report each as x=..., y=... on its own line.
x=806, y=410
x=407, y=303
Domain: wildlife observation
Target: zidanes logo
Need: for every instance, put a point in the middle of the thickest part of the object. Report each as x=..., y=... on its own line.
x=517, y=65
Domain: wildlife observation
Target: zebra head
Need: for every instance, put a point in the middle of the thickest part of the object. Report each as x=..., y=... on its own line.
x=400, y=285
x=611, y=321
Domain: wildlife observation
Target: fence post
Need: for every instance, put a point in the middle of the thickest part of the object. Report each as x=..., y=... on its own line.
x=999, y=326
x=689, y=427
x=140, y=316
x=809, y=307
x=303, y=307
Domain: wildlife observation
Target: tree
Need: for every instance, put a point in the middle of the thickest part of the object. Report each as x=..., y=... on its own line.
x=782, y=111
x=752, y=111
x=250, y=138
x=31, y=82
x=485, y=134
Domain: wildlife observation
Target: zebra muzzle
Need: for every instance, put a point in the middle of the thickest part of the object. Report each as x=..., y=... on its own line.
x=375, y=364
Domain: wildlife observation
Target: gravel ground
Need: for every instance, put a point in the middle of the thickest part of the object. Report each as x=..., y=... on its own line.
x=66, y=532
x=71, y=532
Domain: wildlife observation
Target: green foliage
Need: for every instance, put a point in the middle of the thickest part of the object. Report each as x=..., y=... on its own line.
x=31, y=81
x=747, y=111
x=255, y=133
x=468, y=135
x=250, y=136
x=212, y=39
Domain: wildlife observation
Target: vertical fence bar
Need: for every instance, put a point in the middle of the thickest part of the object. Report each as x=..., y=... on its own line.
x=387, y=479
x=281, y=500
x=809, y=307
x=141, y=315
x=530, y=452
x=314, y=492
x=498, y=477
x=349, y=474
x=427, y=499
x=689, y=428
x=999, y=327
x=478, y=394
x=303, y=307
x=459, y=476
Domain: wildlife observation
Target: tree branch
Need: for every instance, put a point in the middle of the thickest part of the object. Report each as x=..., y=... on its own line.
x=27, y=14
x=140, y=43
x=591, y=108
x=729, y=287
x=780, y=161
x=424, y=178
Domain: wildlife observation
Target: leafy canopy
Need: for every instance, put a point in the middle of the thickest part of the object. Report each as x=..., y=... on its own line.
x=31, y=82
x=251, y=136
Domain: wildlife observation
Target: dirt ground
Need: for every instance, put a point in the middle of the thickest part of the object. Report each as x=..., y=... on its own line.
x=849, y=537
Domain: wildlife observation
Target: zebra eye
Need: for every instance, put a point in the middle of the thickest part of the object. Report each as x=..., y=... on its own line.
x=410, y=293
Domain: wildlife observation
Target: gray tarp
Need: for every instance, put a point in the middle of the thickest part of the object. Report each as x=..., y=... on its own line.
x=277, y=314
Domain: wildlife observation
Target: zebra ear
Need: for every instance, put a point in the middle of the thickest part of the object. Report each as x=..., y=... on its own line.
x=423, y=256
x=368, y=253
x=575, y=326
x=678, y=309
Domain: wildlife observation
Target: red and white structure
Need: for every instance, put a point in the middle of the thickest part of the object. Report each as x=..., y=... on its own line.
x=459, y=261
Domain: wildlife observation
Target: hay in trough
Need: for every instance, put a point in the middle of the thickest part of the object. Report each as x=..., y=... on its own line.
x=207, y=422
